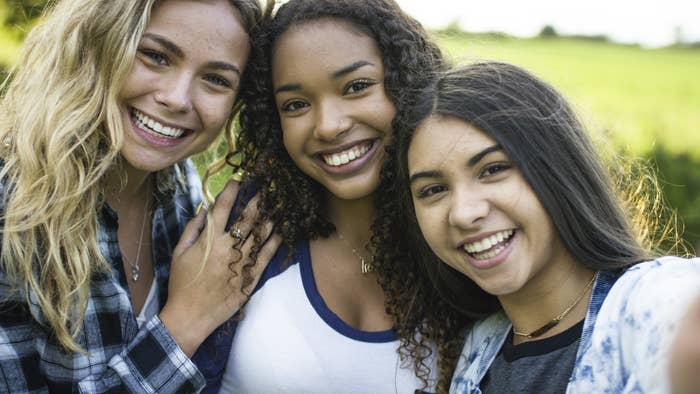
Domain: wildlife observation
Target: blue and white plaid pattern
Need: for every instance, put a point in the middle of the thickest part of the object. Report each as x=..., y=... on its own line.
x=120, y=357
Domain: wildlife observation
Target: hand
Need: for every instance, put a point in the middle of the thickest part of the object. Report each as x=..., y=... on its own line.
x=202, y=294
x=685, y=353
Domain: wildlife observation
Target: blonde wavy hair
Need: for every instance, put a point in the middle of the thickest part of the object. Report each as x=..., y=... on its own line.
x=61, y=133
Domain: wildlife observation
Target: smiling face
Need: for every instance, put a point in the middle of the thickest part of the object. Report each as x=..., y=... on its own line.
x=477, y=212
x=328, y=79
x=183, y=83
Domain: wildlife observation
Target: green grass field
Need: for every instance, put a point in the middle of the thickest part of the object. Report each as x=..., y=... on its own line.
x=636, y=97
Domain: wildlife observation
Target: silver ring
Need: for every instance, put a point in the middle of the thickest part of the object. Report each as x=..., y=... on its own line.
x=237, y=233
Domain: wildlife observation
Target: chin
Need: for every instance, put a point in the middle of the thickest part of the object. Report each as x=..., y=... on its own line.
x=501, y=287
x=352, y=192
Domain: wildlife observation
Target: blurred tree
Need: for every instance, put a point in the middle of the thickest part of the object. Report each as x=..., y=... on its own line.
x=548, y=31
x=21, y=13
x=678, y=35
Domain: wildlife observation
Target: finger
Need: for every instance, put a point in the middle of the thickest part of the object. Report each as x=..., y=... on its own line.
x=267, y=229
x=267, y=252
x=224, y=203
x=191, y=232
x=242, y=227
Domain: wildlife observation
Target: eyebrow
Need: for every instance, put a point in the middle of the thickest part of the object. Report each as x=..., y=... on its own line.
x=477, y=157
x=470, y=163
x=423, y=174
x=166, y=43
x=172, y=47
x=217, y=65
x=351, y=68
x=337, y=74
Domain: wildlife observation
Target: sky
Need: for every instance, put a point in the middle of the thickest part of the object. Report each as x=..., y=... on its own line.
x=650, y=23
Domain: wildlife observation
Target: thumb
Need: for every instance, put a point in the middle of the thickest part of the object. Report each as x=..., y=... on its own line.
x=191, y=232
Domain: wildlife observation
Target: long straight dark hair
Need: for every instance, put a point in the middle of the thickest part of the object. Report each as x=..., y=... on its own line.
x=542, y=135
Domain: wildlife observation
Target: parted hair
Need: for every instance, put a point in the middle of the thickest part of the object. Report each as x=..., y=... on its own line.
x=289, y=197
x=601, y=226
x=61, y=131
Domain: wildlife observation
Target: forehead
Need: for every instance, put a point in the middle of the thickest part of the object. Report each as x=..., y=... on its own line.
x=323, y=45
x=213, y=27
x=443, y=140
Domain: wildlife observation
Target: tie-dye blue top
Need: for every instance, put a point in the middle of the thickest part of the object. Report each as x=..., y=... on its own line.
x=627, y=332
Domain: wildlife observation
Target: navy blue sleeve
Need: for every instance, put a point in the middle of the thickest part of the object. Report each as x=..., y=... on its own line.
x=212, y=355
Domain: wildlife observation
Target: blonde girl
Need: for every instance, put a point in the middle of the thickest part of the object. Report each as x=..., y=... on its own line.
x=108, y=101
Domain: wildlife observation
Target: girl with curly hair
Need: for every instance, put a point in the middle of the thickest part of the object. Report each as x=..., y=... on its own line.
x=108, y=101
x=328, y=78
x=512, y=219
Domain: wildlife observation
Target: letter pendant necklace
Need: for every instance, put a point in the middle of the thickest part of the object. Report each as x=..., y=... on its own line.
x=365, y=267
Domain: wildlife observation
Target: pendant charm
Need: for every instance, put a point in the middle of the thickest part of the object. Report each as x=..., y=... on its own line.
x=365, y=266
x=135, y=273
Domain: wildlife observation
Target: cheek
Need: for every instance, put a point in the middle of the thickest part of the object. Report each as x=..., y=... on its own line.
x=133, y=83
x=429, y=227
x=385, y=112
x=292, y=136
x=215, y=113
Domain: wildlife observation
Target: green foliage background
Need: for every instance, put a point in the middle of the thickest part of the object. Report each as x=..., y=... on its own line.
x=641, y=102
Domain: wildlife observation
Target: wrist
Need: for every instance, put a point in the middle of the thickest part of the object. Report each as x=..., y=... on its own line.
x=187, y=330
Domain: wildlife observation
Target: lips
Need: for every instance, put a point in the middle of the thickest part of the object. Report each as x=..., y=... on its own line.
x=154, y=127
x=348, y=159
x=489, y=247
x=348, y=155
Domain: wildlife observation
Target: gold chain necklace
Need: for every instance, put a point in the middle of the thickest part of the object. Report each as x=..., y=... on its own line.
x=536, y=333
x=365, y=266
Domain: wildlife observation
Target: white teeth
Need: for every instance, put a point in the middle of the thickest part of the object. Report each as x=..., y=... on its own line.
x=150, y=124
x=346, y=156
x=488, y=243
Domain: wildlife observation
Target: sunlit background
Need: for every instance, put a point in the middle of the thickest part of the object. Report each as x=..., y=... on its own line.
x=630, y=68
x=649, y=23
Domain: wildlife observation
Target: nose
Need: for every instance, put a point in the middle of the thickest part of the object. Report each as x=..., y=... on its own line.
x=331, y=120
x=467, y=208
x=176, y=93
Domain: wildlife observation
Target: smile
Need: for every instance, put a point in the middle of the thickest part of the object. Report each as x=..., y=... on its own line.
x=344, y=157
x=149, y=124
x=490, y=246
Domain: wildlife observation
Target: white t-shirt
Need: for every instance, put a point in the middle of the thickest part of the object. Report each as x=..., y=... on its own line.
x=150, y=306
x=290, y=342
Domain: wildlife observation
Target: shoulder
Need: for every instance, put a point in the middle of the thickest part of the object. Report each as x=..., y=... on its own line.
x=483, y=341
x=652, y=291
x=650, y=282
x=188, y=183
x=484, y=337
x=630, y=337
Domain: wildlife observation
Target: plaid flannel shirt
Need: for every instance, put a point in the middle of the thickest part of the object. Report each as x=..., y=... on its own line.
x=120, y=356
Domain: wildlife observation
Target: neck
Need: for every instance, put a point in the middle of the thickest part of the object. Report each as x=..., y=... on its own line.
x=352, y=218
x=547, y=295
x=126, y=186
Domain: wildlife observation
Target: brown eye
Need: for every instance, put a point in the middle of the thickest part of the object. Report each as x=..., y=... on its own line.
x=430, y=190
x=293, y=105
x=358, y=86
x=494, y=169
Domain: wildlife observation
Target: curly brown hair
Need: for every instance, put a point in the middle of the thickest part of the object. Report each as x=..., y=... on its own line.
x=409, y=58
